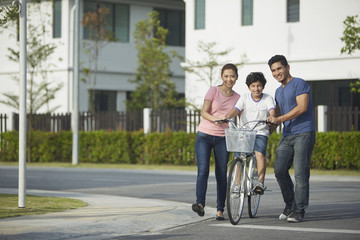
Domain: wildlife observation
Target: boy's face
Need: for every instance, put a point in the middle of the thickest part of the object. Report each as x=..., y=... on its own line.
x=256, y=89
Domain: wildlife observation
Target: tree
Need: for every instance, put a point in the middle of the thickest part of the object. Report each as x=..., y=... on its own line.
x=351, y=38
x=154, y=86
x=39, y=90
x=207, y=68
x=8, y=12
x=99, y=35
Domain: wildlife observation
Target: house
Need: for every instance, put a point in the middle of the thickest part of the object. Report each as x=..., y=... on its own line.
x=307, y=32
x=117, y=61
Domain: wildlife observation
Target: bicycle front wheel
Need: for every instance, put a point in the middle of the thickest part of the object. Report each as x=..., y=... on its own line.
x=253, y=198
x=235, y=190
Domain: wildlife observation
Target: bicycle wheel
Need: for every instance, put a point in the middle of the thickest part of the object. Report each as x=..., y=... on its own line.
x=235, y=193
x=253, y=198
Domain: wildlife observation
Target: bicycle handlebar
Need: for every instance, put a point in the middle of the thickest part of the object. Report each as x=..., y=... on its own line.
x=226, y=120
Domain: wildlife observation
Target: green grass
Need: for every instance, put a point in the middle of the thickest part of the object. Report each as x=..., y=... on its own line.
x=36, y=205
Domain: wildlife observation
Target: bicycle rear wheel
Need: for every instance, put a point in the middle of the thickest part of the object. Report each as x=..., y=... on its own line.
x=253, y=198
x=235, y=194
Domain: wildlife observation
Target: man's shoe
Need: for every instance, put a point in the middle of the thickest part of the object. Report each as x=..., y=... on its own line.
x=286, y=213
x=295, y=217
x=259, y=189
x=198, y=209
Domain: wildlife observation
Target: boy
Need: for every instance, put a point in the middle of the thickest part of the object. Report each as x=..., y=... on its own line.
x=256, y=105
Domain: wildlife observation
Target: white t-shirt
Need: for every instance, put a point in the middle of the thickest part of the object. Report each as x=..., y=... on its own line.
x=255, y=110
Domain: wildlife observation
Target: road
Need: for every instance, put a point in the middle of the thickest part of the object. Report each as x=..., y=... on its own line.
x=334, y=211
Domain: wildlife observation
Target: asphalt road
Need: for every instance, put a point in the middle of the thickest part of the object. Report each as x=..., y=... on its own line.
x=334, y=211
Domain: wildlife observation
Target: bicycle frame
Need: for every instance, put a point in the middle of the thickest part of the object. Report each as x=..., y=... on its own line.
x=241, y=183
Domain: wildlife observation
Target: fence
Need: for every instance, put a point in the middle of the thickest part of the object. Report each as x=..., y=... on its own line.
x=129, y=121
x=343, y=119
x=336, y=119
x=174, y=120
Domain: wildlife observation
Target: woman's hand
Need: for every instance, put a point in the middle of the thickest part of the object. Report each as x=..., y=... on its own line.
x=220, y=122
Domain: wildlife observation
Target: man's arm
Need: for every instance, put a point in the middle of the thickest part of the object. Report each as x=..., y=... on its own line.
x=301, y=107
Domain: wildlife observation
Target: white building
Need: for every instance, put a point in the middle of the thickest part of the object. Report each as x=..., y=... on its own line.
x=117, y=60
x=307, y=32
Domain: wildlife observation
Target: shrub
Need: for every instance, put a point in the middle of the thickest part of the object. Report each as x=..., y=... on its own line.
x=333, y=150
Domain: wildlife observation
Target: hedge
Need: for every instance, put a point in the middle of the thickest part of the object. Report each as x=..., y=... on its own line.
x=333, y=150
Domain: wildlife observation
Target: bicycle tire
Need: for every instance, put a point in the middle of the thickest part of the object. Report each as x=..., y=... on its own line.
x=253, y=198
x=235, y=197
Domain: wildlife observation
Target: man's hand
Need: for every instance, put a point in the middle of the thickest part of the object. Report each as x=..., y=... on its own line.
x=275, y=120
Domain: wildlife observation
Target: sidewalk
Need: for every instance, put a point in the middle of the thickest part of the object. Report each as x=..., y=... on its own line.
x=105, y=217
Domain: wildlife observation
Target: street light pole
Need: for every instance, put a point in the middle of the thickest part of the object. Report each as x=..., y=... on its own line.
x=22, y=105
x=75, y=111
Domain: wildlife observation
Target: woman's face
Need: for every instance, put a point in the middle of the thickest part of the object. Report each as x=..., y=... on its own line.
x=229, y=78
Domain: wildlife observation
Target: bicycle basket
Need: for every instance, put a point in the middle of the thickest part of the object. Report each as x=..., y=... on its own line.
x=240, y=140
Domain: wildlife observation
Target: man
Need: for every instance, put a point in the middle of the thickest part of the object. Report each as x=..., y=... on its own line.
x=293, y=99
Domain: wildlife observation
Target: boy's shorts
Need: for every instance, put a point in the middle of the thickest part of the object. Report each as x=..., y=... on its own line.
x=260, y=144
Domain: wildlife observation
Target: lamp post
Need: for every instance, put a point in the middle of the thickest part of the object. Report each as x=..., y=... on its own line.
x=22, y=105
x=75, y=110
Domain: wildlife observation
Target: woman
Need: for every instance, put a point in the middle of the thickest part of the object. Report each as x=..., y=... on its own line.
x=219, y=100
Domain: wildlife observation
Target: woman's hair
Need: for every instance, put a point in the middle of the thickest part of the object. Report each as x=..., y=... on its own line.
x=229, y=66
x=278, y=58
x=254, y=77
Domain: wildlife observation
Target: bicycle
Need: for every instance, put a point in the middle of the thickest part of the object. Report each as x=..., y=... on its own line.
x=242, y=181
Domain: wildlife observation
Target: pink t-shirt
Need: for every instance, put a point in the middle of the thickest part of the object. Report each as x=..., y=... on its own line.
x=220, y=106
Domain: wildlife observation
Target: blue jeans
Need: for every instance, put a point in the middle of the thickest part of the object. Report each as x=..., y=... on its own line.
x=203, y=145
x=296, y=150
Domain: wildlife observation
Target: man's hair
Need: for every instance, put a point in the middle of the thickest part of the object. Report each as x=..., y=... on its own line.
x=278, y=58
x=230, y=66
x=254, y=77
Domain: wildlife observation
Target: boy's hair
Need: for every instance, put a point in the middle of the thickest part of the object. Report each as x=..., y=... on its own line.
x=278, y=58
x=229, y=66
x=254, y=77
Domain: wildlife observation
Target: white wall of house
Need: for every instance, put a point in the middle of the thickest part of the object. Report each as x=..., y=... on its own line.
x=117, y=61
x=312, y=45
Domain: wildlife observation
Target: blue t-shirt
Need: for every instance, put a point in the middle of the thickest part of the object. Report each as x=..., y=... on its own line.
x=285, y=97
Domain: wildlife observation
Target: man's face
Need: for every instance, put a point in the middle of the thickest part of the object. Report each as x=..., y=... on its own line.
x=279, y=71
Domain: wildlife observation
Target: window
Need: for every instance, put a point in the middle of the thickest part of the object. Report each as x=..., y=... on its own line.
x=117, y=20
x=337, y=94
x=57, y=19
x=199, y=14
x=174, y=21
x=293, y=9
x=247, y=12
x=104, y=100
x=122, y=23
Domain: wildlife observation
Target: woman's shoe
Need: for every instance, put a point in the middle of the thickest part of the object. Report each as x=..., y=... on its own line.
x=220, y=216
x=198, y=209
